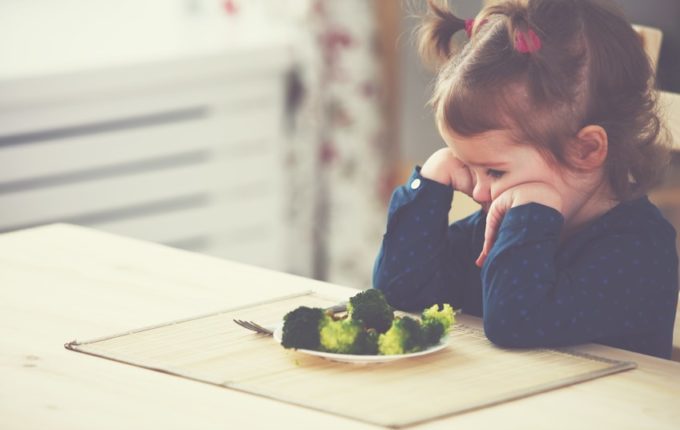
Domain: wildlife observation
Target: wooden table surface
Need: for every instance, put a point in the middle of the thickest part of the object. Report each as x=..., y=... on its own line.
x=61, y=282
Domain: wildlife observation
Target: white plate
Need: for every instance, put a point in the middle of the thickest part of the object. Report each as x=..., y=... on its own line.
x=363, y=359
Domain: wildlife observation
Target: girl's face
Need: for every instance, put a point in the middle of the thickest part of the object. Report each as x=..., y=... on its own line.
x=497, y=163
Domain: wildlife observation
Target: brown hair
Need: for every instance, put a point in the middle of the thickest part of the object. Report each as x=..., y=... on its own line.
x=590, y=69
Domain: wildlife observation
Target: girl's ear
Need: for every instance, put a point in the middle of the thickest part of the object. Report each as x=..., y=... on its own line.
x=589, y=150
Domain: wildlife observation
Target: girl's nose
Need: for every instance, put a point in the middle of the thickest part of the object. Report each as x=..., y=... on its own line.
x=481, y=192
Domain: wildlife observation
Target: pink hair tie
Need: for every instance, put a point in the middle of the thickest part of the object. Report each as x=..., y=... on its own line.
x=470, y=25
x=527, y=42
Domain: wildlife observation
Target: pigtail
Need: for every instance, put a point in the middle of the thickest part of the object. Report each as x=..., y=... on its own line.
x=548, y=63
x=524, y=37
x=435, y=33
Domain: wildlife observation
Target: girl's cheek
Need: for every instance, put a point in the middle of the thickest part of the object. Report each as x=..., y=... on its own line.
x=497, y=189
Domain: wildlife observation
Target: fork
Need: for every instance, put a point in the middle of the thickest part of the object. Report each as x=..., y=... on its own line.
x=250, y=325
x=259, y=329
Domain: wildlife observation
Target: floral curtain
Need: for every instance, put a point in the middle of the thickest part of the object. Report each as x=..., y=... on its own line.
x=338, y=156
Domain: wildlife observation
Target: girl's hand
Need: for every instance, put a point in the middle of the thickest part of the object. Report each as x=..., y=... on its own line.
x=531, y=192
x=444, y=167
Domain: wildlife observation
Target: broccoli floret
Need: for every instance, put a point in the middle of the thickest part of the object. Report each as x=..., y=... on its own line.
x=371, y=309
x=446, y=316
x=432, y=332
x=436, y=323
x=369, y=328
x=301, y=328
x=347, y=337
x=404, y=336
x=367, y=342
x=339, y=336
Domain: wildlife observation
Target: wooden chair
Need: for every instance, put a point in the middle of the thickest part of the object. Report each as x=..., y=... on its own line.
x=651, y=40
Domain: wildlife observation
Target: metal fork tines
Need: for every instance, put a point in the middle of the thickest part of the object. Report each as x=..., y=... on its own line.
x=257, y=328
x=254, y=327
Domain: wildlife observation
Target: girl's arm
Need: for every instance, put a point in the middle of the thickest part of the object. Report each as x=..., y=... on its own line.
x=609, y=285
x=422, y=259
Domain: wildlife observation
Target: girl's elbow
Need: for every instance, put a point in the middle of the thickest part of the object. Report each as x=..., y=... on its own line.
x=515, y=334
x=381, y=282
x=499, y=333
x=389, y=290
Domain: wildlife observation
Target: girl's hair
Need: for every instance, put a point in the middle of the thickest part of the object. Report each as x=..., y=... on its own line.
x=545, y=69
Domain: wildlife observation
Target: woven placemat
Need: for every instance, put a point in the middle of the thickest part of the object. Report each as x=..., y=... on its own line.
x=471, y=373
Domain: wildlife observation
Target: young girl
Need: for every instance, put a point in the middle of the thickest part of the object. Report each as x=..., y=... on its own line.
x=549, y=121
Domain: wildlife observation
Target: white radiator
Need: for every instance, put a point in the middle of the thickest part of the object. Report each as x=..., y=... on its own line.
x=185, y=152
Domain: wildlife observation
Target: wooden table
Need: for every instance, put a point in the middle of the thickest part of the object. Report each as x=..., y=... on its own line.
x=61, y=282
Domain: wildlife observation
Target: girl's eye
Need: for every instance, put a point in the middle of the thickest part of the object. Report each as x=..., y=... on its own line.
x=494, y=173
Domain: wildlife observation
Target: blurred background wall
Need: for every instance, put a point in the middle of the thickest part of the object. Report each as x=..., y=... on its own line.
x=250, y=130
x=270, y=132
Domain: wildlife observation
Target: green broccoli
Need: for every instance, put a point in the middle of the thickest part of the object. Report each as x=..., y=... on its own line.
x=347, y=337
x=446, y=316
x=436, y=323
x=367, y=342
x=371, y=309
x=369, y=328
x=404, y=336
x=301, y=328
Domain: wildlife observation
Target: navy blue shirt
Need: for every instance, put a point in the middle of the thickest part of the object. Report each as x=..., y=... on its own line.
x=613, y=282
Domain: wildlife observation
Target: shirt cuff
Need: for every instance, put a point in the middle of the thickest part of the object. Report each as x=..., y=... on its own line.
x=417, y=181
x=434, y=196
x=531, y=222
x=437, y=195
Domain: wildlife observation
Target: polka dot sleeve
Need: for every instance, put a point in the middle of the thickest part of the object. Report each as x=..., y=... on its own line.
x=609, y=286
x=422, y=261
